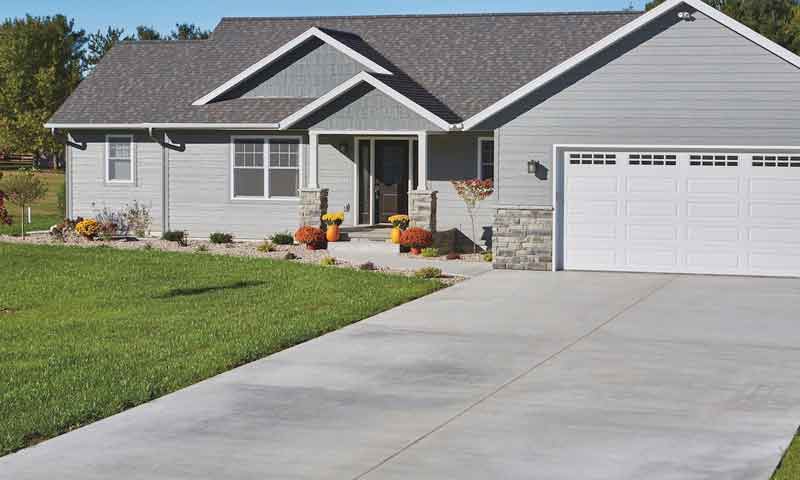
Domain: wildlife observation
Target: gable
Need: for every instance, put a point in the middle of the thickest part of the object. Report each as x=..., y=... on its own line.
x=309, y=71
x=365, y=108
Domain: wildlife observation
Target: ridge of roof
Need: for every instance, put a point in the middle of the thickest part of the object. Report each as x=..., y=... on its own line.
x=437, y=15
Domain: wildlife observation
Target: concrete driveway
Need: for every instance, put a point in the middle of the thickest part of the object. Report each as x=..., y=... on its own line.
x=509, y=375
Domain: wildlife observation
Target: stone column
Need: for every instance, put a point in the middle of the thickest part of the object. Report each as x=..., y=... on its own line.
x=313, y=205
x=422, y=209
x=522, y=238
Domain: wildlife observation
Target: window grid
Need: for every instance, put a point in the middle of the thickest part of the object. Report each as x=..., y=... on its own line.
x=119, y=151
x=283, y=156
x=780, y=160
x=486, y=158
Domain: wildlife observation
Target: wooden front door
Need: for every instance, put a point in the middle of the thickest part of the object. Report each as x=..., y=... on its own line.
x=391, y=178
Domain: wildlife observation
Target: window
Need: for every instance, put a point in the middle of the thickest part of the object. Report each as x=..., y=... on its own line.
x=266, y=167
x=486, y=158
x=119, y=158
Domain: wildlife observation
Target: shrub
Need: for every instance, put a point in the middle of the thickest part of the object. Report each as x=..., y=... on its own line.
x=5, y=217
x=282, y=238
x=430, y=252
x=61, y=198
x=87, y=228
x=289, y=256
x=178, y=236
x=266, y=247
x=488, y=257
x=138, y=218
x=312, y=237
x=147, y=246
x=201, y=248
x=368, y=266
x=65, y=230
x=23, y=189
x=219, y=237
x=416, y=237
x=399, y=221
x=111, y=223
x=453, y=256
x=333, y=218
x=327, y=262
x=428, y=272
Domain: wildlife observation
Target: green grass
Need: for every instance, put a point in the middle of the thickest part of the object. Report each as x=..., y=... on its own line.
x=89, y=332
x=44, y=213
x=789, y=468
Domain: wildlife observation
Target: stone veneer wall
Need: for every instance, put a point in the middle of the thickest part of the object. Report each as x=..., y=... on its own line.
x=313, y=205
x=522, y=238
x=422, y=209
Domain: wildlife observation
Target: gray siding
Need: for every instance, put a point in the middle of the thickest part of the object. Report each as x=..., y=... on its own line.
x=89, y=191
x=336, y=174
x=364, y=108
x=309, y=71
x=676, y=83
x=455, y=157
x=200, y=197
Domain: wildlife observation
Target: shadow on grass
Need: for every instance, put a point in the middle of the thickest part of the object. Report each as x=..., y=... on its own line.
x=185, y=292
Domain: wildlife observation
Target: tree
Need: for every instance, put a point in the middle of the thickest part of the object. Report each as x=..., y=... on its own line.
x=473, y=192
x=99, y=43
x=24, y=188
x=147, y=33
x=41, y=63
x=5, y=217
x=189, y=31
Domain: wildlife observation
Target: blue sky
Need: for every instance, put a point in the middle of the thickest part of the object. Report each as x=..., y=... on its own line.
x=163, y=14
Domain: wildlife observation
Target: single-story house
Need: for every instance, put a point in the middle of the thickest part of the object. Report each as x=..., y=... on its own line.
x=665, y=141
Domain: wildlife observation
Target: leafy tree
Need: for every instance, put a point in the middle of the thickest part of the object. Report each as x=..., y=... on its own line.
x=41, y=63
x=5, y=217
x=24, y=188
x=147, y=33
x=189, y=31
x=100, y=43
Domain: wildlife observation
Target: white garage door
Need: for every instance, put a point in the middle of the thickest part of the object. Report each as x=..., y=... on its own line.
x=689, y=212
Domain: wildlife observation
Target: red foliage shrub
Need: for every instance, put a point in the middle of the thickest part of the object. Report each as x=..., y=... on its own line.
x=416, y=237
x=310, y=236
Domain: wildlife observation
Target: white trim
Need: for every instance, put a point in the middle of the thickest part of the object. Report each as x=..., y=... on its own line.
x=286, y=48
x=266, y=167
x=618, y=35
x=357, y=184
x=352, y=82
x=557, y=192
x=313, y=160
x=145, y=126
x=133, y=159
x=480, y=159
x=369, y=133
x=422, y=161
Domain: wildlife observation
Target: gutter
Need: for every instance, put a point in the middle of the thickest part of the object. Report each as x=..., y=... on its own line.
x=151, y=126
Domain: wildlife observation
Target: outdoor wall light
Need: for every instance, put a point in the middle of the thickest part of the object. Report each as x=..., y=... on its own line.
x=533, y=165
x=343, y=148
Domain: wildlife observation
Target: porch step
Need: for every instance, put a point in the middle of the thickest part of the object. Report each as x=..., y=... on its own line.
x=367, y=234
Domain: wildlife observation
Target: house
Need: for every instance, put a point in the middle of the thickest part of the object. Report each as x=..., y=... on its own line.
x=667, y=141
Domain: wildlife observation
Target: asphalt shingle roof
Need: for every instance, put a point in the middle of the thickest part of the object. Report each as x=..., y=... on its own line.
x=453, y=65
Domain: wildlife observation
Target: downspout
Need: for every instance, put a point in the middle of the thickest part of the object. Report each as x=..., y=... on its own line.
x=164, y=177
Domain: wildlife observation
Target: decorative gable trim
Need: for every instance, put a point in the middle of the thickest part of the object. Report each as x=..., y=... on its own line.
x=348, y=85
x=618, y=35
x=286, y=48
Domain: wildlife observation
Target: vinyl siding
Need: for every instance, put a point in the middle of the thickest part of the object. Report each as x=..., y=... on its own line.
x=336, y=174
x=676, y=82
x=309, y=71
x=363, y=109
x=200, y=193
x=89, y=191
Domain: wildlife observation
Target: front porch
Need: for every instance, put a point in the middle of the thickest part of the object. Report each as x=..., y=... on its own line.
x=369, y=176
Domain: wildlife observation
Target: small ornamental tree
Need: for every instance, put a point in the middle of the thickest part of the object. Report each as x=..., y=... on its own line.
x=473, y=192
x=5, y=217
x=23, y=189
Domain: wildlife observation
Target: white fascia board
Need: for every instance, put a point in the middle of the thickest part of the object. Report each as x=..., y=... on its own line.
x=618, y=35
x=349, y=84
x=286, y=48
x=145, y=126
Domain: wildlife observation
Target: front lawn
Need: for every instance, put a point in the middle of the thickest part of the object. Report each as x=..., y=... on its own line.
x=89, y=332
x=44, y=213
x=789, y=468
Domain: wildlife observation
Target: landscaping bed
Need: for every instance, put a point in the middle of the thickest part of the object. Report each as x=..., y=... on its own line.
x=89, y=332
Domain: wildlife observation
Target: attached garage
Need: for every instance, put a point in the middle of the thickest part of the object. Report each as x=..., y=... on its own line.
x=681, y=211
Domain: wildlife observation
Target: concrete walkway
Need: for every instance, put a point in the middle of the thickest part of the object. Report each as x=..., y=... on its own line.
x=509, y=375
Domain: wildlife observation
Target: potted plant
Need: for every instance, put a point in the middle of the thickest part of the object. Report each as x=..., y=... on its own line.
x=333, y=220
x=416, y=239
x=399, y=223
x=312, y=237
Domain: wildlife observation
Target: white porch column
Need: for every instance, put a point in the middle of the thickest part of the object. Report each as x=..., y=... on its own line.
x=313, y=165
x=422, y=152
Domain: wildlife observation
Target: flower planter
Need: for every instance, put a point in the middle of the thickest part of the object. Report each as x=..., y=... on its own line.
x=415, y=251
x=332, y=233
x=396, y=232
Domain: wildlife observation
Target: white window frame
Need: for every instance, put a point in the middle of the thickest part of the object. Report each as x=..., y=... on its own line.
x=108, y=158
x=266, y=139
x=480, y=158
